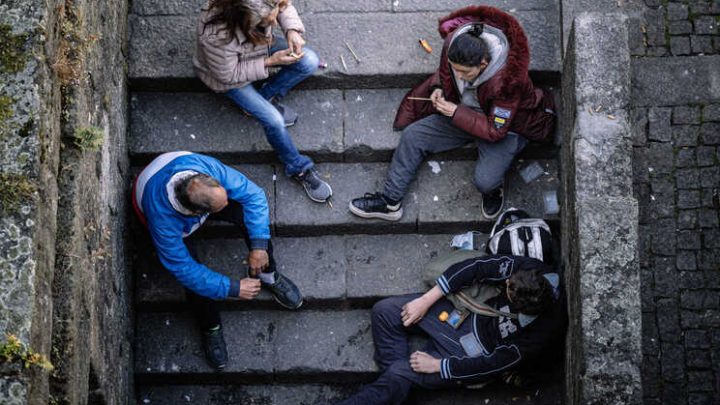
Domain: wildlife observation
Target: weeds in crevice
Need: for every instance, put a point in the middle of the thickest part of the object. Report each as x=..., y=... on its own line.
x=88, y=138
x=74, y=44
x=13, y=351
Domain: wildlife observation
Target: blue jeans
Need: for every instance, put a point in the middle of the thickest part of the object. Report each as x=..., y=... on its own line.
x=392, y=351
x=256, y=102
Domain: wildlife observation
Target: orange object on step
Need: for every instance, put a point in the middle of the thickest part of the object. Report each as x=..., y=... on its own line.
x=443, y=316
x=425, y=45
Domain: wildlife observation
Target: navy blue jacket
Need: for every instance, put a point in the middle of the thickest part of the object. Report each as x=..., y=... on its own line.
x=505, y=342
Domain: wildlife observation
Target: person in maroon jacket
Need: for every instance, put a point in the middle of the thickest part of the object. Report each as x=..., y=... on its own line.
x=482, y=93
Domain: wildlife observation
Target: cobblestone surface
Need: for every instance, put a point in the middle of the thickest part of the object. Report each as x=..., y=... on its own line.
x=680, y=27
x=677, y=183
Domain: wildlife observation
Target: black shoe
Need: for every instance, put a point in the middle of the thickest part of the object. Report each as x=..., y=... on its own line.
x=289, y=115
x=492, y=203
x=215, y=349
x=316, y=188
x=285, y=292
x=375, y=206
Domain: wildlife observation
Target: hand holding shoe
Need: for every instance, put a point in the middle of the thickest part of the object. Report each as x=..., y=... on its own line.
x=258, y=261
x=249, y=288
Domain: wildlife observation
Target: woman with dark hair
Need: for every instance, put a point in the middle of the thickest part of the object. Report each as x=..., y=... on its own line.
x=481, y=93
x=236, y=47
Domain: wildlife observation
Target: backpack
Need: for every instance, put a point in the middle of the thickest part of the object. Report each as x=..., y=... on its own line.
x=515, y=233
x=470, y=298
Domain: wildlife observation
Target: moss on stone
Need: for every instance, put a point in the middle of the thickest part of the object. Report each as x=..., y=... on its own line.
x=88, y=138
x=6, y=109
x=12, y=54
x=15, y=190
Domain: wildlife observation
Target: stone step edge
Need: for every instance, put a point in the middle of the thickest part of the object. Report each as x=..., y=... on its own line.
x=215, y=230
x=324, y=82
x=295, y=376
x=356, y=155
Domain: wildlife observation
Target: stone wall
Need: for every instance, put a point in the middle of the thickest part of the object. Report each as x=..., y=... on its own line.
x=600, y=215
x=63, y=171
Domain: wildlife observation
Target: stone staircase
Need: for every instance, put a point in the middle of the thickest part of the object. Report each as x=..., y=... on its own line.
x=342, y=264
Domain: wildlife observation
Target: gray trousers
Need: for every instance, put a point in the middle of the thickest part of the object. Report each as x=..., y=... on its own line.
x=436, y=133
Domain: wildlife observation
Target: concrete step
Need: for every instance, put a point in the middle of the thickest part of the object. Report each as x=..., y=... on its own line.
x=274, y=347
x=384, y=34
x=329, y=270
x=335, y=125
x=317, y=394
x=442, y=200
x=261, y=345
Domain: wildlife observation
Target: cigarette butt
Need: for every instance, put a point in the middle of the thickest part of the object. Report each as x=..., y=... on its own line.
x=610, y=116
x=425, y=45
x=352, y=52
x=330, y=204
x=343, y=63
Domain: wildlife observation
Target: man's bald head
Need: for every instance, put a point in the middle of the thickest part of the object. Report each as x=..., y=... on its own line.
x=201, y=194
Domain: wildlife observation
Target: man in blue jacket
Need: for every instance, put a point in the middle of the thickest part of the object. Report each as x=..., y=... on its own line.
x=173, y=196
x=529, y=321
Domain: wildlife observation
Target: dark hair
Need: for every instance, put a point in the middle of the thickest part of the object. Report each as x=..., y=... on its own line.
x=530, y=292
x=468, y=49
x=198, y=204
x=245, y=15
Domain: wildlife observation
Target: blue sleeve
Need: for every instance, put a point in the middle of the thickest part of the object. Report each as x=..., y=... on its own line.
x=252, y=198
x=175, y=256
x=476, y=270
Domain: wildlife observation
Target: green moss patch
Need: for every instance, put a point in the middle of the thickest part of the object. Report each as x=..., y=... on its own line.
x=88, y=138
x=15, y=190
x=12, y=50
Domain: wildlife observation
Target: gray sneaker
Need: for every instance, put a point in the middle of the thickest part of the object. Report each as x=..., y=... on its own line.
x=316, y=189
x=289, y=115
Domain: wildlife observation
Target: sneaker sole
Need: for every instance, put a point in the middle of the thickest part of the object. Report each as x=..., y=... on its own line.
x=288, y=307
x=490, y=217
x=393, y=216
x=307, y=192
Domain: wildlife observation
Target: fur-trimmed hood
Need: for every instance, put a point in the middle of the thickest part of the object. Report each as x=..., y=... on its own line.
x=515, y=71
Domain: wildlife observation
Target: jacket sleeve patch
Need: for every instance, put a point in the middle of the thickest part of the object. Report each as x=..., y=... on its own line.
x=500, y=117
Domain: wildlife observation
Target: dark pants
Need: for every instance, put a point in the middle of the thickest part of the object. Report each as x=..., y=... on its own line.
x=436, y=133
x=207, y=311
x=392, y=351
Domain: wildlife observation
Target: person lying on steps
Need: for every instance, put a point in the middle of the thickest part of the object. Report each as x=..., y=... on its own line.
x=482, y=347
x=481, y=93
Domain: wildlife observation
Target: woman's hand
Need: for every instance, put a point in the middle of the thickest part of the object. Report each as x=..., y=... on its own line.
x=295, y=42
x=422, y=362
x=281, y=57
x=436, y=96
x=445, y=107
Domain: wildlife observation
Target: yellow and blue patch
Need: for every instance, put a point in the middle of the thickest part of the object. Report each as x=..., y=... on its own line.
x=501, y=117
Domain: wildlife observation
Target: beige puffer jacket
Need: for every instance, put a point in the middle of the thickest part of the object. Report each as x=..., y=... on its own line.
x=224, y=65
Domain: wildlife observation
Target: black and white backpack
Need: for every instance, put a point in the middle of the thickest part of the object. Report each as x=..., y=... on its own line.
x=517, y=234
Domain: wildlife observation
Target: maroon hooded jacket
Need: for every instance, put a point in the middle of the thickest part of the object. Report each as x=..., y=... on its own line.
x=509, y=100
